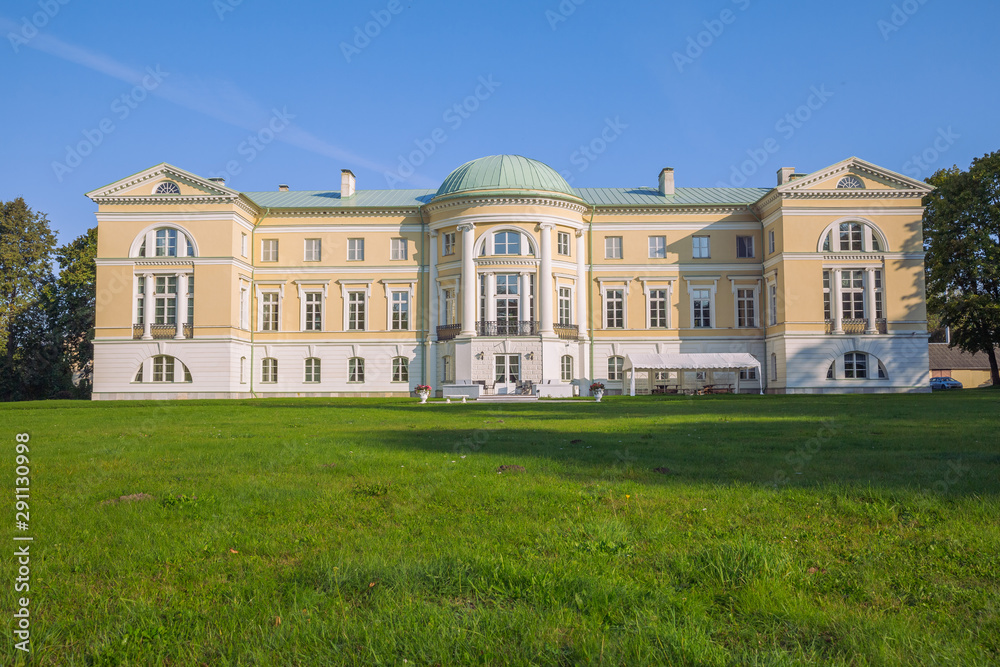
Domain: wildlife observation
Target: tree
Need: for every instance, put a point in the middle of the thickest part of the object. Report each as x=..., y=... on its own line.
x=26, y=244
x=77, y=300
x=962, y=240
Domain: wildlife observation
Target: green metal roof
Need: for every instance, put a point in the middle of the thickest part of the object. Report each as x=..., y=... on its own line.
x=681, y=197
x=504, y=172
x=327, y=199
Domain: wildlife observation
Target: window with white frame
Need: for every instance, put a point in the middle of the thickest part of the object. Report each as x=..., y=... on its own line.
x=140, y=300
x=268, y=370
x=356, y=310
x=850, y=183
x=398, y=249
x=313, y=320
x=400, y=369
x=827, y=314
x=744, y=247
x=447, y=369
x=612, y=247
x=508, y=299
x=269, y=250
x=450, y=307
x=772, y=303
x=165, y=300
x=167, y=188
x=748, y=374
x=448, y=243
x=566, y=368
x=163, y=368
x=702, y=307
x=269, y=311
x=400, y=310
x=166, y=242
x=856, y=366
x=313, y=370
x=879, y=313
x=852, y=294
x=355, y=369
x=565, y=306
x=190, y=298
x=851, y=236
x=562, y=243
x=614, y=308
x=616, y=367
x=312, y=252
x=658, y=305
x=243, y=245
x=746, y=307
x=355, y=250
x=507, y=243
x=700, y=247
x=770, y=241
x=657, y=247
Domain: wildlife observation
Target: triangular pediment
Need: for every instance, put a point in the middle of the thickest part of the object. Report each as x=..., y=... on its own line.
x=143, y=185
x=876, y=181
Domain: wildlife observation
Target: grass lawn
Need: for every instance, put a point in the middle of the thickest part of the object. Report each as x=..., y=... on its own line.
x=777, y=530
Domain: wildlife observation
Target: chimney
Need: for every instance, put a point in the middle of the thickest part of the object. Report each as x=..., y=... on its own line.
x=346, y=183
x=282, y=188
x=218, y=179
x=667, y=181
x=785, y=175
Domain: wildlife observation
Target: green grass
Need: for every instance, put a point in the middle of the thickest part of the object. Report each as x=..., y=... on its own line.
x=781, y=530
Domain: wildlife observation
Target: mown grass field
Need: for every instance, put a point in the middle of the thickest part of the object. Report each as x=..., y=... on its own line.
x=778, y=530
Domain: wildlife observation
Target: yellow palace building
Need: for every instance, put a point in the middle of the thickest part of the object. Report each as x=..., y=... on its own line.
x=507, y=280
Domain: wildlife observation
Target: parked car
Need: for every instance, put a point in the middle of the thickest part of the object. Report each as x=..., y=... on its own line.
x=945, y=383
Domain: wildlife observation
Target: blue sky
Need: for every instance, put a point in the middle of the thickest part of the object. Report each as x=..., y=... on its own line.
x=724, y=91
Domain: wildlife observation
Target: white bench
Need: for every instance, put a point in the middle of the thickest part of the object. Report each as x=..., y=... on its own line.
x=448, y=397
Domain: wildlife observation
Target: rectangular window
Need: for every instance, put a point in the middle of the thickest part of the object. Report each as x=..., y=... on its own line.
x=566, y=368
x=269, y=370
x=562, y=243
x=507, y=243
x=826, y=296
x=748, y=374
x=163, y=369
x=448, y=243
x=400, y=311
x=166, y=242
x=658, y=308
x=615, y=368
x=355, y=369
x=314, y=311
x=312, y=253
x=140, y=300
x=702, y=299
x=565, y=305
x=851, y=236
x=852, y=293
x=450, y=307
x=269, y=250
x=612, y=247
x=190, y=299
x=400, y=369
x=355, y=250
x=772, y=298
x=774, y=367
x=878, y=296
x=243, y=245
x=356, y=311
x=447, y=369
x=398, y=249
x=744, y=247
x=856, y=366
x=312, y=369
x=657, y=247
x=165, y=300
x=699, y=247
x=770, y=241
x=269, y=311
x=614, y=309
x=746, y=315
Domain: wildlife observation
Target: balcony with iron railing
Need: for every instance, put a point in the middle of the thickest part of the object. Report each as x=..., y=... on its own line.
x=506, y=328
x=162, y=331
x=567, y=331
x=448, y=331
x=856, y=326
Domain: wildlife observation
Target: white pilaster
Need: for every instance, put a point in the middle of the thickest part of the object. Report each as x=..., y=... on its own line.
x=491, y=296
x=469, y=284
x=182, y=305
x=871, y=327
x=544, y=296
x=836, y=307
x=525, y=289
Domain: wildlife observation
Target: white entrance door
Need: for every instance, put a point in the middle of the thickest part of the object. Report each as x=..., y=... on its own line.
x=508, y=373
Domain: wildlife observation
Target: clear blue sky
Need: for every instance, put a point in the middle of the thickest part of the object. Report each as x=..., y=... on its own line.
x=887, y=81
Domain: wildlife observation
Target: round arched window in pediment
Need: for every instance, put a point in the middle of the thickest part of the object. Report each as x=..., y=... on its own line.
x=167, y=188
x=850, y=183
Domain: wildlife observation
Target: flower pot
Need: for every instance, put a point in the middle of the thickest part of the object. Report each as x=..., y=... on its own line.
x=598, y=395
x=423, y=396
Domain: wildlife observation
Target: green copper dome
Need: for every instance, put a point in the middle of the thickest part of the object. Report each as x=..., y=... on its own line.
x=509, y=173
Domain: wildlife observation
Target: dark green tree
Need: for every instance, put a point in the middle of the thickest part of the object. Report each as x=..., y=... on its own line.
x=77, y=300
x=962, y=240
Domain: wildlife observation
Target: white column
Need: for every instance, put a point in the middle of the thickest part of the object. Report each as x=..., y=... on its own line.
x=870, y=300
x=491, y=296
x=836, y=308
x=182, y=305
x=433, y=318
x=469, y=285
x=182, y=250
x=147, y=306
x=581, y=316
x=524, y=311
x=544, y=296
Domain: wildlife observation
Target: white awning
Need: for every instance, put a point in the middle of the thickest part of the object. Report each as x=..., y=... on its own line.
x=695, y=361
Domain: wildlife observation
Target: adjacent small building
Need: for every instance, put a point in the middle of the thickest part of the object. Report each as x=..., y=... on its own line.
x=971, y=369
x=507, y=277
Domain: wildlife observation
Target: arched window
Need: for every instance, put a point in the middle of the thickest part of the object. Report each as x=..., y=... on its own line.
x=269, y=370
x=312, y=369
x=166, y=242
x=507, y=243
x=850, y=183
x=165, y=368
x=167, y=188
x=863, y=366
x=567, y=368
x=615, y=366
x=400, y=369
x=852, y=236
x=355, y=369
